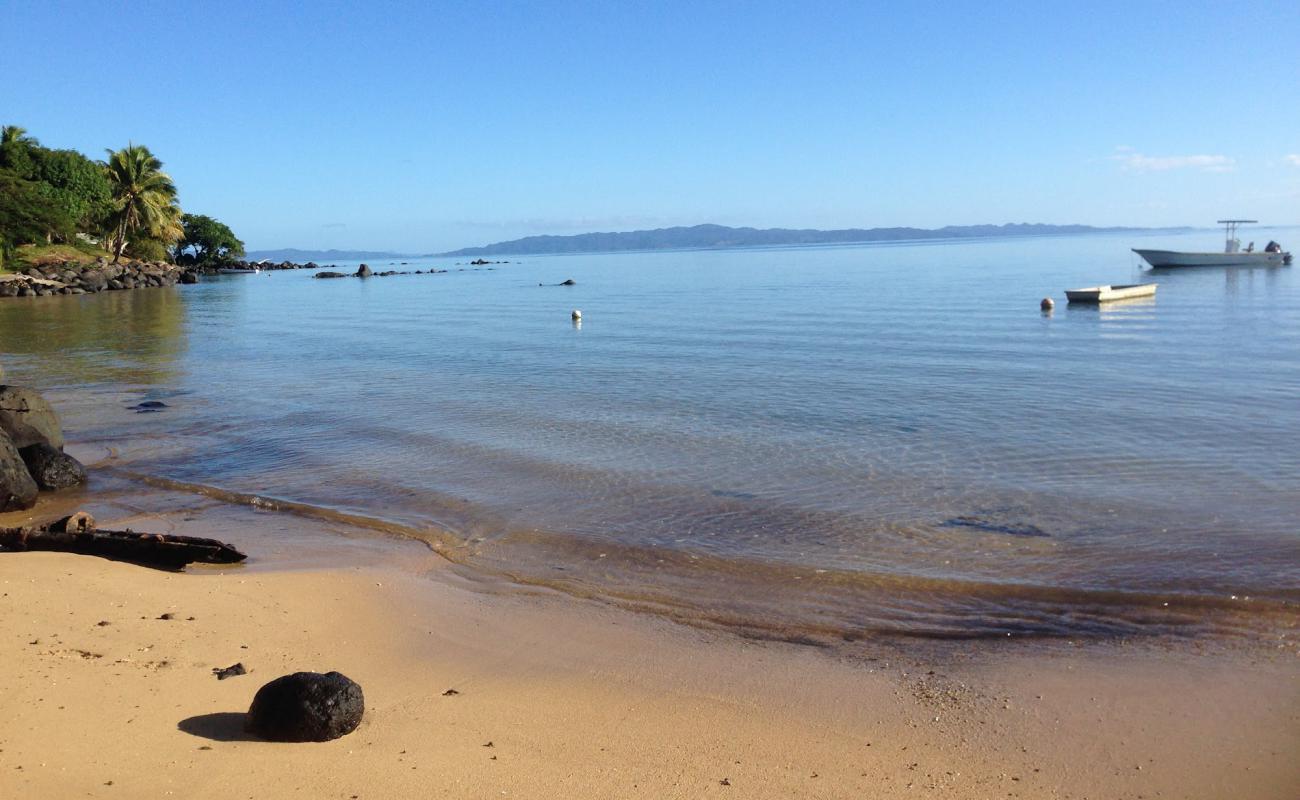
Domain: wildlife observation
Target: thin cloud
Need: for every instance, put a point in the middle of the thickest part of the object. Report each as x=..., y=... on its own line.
x=1293, y=159
x=1137, y=162
x=334, y=225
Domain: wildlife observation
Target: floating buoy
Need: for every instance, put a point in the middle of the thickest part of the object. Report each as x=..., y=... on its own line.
x=1048, y=304
x=577, y=315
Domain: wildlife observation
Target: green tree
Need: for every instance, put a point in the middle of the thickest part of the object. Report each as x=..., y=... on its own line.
x=144, y=199
x=211, y=240
x=15, y=150
x=28, y=214
x=77, y=184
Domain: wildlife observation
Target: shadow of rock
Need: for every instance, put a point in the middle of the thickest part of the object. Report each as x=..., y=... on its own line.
x=225, y=726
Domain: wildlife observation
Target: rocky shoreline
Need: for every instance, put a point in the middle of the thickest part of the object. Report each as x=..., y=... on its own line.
x=70, y=278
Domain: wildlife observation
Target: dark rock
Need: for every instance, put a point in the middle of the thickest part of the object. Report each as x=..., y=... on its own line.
x=28, y=419
x=189, y=277
x=115, y=284
x=17, y=489
x=569, y=282
x=229, y=672
x=148, y=405
x=364, y=271
x=329, y=275
x=51, y=468
x=306, y=707
x=992, y=526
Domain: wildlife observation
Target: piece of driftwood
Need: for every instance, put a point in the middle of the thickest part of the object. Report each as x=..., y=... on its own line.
x=77, y=534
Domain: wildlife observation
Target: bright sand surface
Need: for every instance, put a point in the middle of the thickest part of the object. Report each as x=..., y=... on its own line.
x=559, y=697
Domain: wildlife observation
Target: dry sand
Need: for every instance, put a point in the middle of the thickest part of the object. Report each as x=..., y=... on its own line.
x=560, y=698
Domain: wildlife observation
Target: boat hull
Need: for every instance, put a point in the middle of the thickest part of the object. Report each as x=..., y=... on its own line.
x=1102, y=294
x=1174, y=258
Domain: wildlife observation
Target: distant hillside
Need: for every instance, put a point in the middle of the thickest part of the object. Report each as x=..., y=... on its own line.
x=300, y=256
x=720, y=236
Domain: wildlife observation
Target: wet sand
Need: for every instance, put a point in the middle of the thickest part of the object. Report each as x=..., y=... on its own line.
x=557, y=697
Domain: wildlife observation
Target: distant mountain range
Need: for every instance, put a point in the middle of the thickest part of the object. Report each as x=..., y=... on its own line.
x=720, y=236
x=302, y=256
x=702, y=237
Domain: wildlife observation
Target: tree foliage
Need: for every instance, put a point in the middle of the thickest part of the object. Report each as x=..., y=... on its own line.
x=128, y=203
x=28, y=214
x=76, y=184
x=15, y=151
x=210, y=240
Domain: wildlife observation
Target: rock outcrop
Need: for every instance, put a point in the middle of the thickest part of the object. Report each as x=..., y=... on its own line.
x=17, y=489
x=28, y=419
x=52, y=469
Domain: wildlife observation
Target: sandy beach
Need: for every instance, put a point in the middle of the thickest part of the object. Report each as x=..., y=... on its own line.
x=556, y=697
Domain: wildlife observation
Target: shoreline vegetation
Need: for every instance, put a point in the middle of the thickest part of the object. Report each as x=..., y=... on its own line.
x=124, y=206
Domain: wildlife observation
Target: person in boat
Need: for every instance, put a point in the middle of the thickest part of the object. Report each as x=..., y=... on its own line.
x=1272, y=247
x=1250, y=248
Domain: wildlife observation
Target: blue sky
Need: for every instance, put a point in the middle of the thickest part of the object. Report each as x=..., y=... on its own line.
x=422, y=127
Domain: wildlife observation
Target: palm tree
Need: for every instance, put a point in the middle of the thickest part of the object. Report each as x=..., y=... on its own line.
x=15, y=150
x=144, y=198
x=12, y=133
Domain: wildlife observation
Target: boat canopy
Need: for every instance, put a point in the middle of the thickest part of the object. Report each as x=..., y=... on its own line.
x=1232, y=244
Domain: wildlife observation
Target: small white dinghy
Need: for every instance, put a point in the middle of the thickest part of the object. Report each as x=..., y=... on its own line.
x=1101, y=294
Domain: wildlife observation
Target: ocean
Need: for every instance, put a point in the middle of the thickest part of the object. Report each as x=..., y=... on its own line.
x=807, y=443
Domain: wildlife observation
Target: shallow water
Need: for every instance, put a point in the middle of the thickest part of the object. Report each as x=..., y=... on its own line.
x=799, y=442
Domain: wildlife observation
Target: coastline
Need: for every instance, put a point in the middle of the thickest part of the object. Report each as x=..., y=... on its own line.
x=578, y=698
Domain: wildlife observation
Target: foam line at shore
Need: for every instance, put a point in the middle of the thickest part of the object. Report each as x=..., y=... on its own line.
x=768, y=600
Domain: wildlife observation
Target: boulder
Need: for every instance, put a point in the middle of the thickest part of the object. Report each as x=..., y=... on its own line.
x=329, y=275
x=52, y=469
x=189, y=277
x=364, y=271
x=306, y=707
x=17, y=489
x=28, y=419
x=94, y=280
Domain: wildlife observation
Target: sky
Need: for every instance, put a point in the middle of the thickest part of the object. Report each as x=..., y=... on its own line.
x=423, y=127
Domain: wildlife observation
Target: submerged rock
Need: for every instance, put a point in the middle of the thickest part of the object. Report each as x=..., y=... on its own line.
x=306, y=707
x=329, y=275
x=17, y=489
x=52, y=468
x=28, y=419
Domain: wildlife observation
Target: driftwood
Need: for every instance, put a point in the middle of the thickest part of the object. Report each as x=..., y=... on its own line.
x=77, y=534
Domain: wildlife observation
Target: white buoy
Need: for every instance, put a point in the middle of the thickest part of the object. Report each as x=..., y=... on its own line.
x=577, y=315
x=1048, y=304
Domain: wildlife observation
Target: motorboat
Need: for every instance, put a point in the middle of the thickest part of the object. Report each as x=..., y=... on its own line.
x=1102, y=294
x=1232, y=255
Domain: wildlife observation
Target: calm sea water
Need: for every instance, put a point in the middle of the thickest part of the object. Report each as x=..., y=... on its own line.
x=802, y=442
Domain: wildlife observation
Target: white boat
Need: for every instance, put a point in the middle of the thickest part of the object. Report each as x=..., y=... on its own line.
x=1232, y=255
x=1102, y=294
